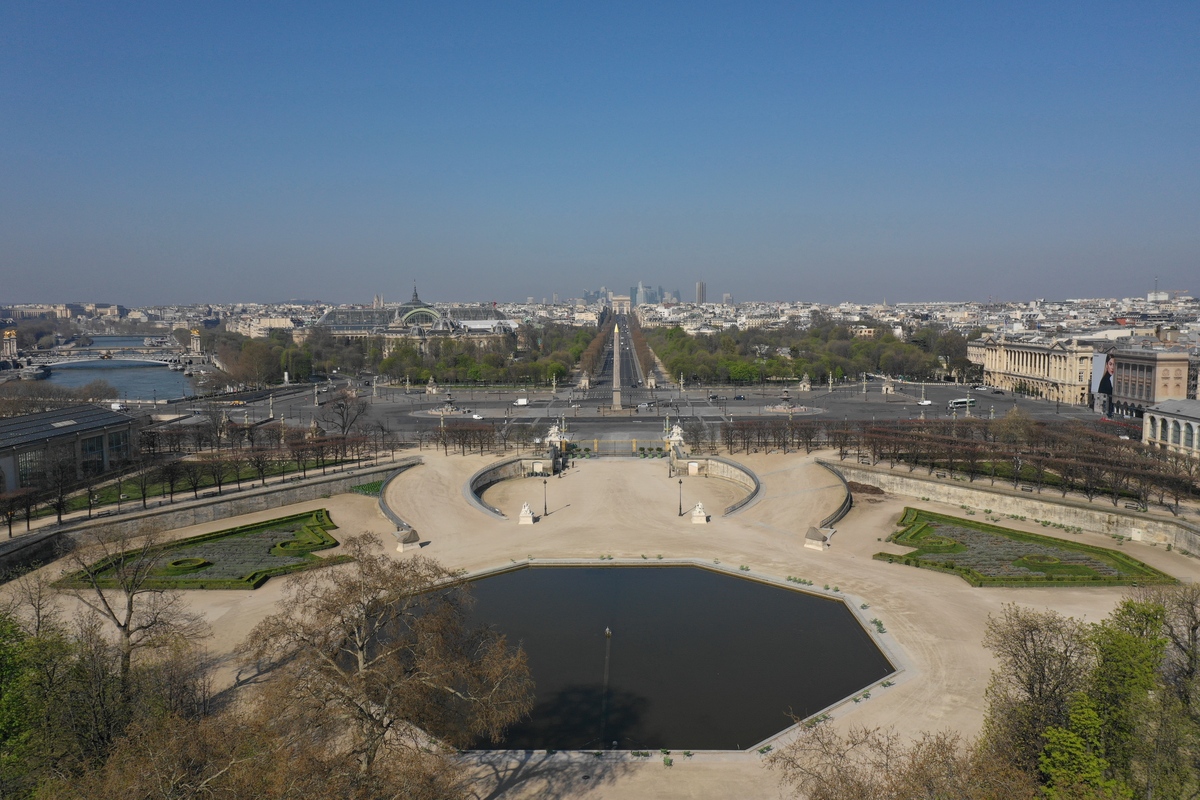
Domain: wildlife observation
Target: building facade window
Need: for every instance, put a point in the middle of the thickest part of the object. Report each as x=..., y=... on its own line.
x=29, y=467
x=118, y=446
x=92, y=455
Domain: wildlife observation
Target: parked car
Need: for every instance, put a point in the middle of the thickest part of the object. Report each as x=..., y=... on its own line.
x=997, y=391
x=477, y=416
x=739, y=397
x=924, y=402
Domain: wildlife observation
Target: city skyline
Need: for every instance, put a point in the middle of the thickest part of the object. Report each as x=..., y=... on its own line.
x=182, y=155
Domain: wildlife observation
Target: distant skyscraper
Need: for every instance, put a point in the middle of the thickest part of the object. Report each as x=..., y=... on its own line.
x=701, y=292
x=727, y=299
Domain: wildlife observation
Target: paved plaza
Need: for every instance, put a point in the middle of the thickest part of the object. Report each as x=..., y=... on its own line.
x=628, y=508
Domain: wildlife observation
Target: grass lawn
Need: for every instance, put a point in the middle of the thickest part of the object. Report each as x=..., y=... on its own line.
x=984, y=554
x=235, y=558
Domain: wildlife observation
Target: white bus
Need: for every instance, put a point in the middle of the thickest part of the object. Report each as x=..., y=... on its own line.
x=962, y=402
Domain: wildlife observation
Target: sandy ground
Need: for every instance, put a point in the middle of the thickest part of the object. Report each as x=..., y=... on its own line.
x=628, y=508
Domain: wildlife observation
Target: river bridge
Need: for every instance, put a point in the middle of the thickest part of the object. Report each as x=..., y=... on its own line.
x=74, y=355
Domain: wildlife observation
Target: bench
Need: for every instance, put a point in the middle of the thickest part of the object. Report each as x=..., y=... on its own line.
x=1026, y=488
x=1134, y=506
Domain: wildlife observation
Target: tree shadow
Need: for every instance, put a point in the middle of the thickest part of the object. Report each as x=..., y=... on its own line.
x=580, y=718
x=541, y=775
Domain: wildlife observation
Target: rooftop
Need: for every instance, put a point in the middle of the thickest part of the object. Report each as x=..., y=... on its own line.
x=19, y=431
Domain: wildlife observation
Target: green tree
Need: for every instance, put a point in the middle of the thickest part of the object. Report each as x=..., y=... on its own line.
x=1129, y=648
x=1073, y=762
x=1044, y=661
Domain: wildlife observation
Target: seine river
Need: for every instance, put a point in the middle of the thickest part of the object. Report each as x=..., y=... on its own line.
x=134, y=380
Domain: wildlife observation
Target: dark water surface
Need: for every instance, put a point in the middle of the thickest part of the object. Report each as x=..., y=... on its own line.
x=697, y=660
x=133, y=380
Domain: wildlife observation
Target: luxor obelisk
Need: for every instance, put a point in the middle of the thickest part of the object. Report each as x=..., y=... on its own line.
x=616, y=372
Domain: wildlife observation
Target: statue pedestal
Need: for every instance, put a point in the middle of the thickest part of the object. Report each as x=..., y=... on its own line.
x=698, y=515
x=526, y=517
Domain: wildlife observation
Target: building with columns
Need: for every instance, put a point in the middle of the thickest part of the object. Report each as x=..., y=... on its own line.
x=1147, y=376
x=1056, y=369
x=1173, y=425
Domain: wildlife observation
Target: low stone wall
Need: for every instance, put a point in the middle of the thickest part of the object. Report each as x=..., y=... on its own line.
x=847, y=501
x=724, y=468
x=517, y=467
x=404, y=532
x=1094, y=517
x=42, y=546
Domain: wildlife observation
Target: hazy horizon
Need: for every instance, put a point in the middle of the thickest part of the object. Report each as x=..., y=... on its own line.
x=230, y=153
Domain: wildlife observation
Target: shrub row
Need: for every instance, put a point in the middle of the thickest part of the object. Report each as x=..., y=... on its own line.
x=312, y=535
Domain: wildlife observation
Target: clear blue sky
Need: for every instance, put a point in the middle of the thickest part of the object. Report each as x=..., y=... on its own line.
x=183, y=152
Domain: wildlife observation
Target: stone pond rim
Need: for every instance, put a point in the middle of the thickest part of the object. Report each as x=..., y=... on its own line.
x=698, y=659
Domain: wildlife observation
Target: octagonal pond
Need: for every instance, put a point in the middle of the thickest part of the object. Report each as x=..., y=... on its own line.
x=697, y=659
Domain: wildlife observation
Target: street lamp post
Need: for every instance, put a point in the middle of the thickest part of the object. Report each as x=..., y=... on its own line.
x=681, y=497
x=545, y=512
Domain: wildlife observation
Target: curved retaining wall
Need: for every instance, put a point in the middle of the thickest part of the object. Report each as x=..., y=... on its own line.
x=847, y=501
x=1002, y=500
x=743, y=476
x=404, y=531
x=724, y=468
x=516, y=467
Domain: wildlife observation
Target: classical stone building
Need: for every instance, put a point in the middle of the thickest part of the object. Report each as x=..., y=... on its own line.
x=1173, y=425
x=1056, y=369
x=414, y=322
x=1147, y=376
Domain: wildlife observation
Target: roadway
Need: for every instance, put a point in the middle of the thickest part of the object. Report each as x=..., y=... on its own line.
x=646, y=411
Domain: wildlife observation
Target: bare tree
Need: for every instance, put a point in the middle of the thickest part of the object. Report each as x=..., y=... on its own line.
x=170, y=472
x=144, y=474
x=31, y=602
x=261, y=461
x=111, y=574
x=1044, y=660
x=216, y=424
x=12, y=503
x=822, y=764
x=60, y=474
x=194, y=473
x=217, y=466
x=235, y=462
x=343, y=411
x=381, y=649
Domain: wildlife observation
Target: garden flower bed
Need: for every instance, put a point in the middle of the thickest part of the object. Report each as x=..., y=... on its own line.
x=237, y=558
x=988, y=555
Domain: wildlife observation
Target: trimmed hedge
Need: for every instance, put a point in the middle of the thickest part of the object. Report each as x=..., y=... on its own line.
x=308, y=532
x=372, y=489
x=920, y=524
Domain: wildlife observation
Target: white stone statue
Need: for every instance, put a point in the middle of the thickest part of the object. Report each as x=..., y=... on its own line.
x=526, y=515
x=698, y=515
